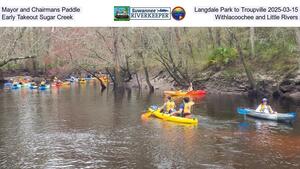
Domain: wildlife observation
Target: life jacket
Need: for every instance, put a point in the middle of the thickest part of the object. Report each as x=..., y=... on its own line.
x=170, y=105
x=264, y=108
x=187, y=107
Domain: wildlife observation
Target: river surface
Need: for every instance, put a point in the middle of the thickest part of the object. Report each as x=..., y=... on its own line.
x=82, y=127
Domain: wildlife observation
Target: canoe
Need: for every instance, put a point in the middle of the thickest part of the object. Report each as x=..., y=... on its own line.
x=266, y=116
x=184, y=93
x=176, y=119
x=44, y=87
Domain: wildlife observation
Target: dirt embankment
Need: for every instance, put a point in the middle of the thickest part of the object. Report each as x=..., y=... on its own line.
x=272, y=84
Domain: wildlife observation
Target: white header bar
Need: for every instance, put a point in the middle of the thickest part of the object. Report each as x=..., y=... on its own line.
x=146, y=13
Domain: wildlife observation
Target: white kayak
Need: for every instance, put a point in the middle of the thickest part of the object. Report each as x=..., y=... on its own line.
x=267, y=116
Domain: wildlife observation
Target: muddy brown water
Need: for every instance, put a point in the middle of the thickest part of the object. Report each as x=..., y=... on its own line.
x=82, y=127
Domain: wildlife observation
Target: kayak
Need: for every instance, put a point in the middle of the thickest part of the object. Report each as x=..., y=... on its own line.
x=168, y=117
x=185, y=93
x=16, y=86
x=8, y=84
x=72, y=79
x=266, y=116
x=33, y=87
x=25, y=84
x=56, y=84
x=44, y=87
x=89, y=78
x=82, y=81
x=104, y=81
x=66, y=83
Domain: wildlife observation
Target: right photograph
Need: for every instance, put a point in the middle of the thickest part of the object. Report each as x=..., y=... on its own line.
x=150, y=97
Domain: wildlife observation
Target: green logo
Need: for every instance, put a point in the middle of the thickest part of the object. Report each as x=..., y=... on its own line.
x=121, y=13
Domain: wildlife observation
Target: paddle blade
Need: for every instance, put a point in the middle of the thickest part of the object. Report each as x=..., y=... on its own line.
x=243, y=111
x=294, y=114
x=146, y=115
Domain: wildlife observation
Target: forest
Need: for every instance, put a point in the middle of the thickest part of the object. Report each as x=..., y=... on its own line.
x=256, y=61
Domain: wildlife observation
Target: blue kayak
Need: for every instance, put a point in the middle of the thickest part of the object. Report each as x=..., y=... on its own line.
x=44, y=87
x=33, y=87
x=16, y=86
x=267, y=116
x=8, y=84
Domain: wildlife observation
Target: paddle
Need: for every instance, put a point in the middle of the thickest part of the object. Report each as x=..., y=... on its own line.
x=243, y=111
x=150, y=110
x=294, y=114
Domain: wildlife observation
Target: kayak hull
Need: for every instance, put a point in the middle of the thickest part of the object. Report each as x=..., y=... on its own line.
x=18, y=86
x=176, y=119
x=183, y=93
x=44, y=87
x=272, y=117
x=33, y=87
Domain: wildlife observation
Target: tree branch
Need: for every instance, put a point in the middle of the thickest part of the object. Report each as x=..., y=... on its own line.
x=105, y=41
x=15, y=59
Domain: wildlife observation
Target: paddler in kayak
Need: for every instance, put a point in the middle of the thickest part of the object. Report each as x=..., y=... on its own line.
x=190, y=87
x=43, y=83
x=264, y=107
x=185, y=108
x=169, y=106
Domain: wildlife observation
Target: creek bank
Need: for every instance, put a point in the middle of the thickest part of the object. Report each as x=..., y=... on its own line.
x=268, y=85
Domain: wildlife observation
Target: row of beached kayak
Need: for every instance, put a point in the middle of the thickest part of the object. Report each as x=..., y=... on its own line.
x=42, y=86
x=57, y=83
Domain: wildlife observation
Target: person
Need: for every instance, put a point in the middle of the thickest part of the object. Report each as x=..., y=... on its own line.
x=185, y=108
x=169, y=106
x=43, y=83
x=55, y=79
x=190, y=87
x=264, y=107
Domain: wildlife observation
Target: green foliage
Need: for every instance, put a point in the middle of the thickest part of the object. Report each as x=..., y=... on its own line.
x=223, y=56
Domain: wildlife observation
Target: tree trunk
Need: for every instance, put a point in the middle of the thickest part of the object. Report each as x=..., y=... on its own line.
x=211, y=37
x=117, y=68
x=297, y=32
x=1, y=76
x=137, y=79
x=247, y=70
x=151, y=88
x=218, y=37
x=252, y=41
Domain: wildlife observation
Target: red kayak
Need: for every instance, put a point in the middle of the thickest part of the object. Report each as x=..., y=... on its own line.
x=196, y=92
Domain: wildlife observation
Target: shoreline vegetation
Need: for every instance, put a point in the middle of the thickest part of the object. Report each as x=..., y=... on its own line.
x=253, y=61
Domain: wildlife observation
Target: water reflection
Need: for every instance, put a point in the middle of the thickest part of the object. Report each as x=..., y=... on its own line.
x=83, y=127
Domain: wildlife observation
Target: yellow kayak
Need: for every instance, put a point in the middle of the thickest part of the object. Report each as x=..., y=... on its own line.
x=82, y=81
x=66, y=83
x=177, y=119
